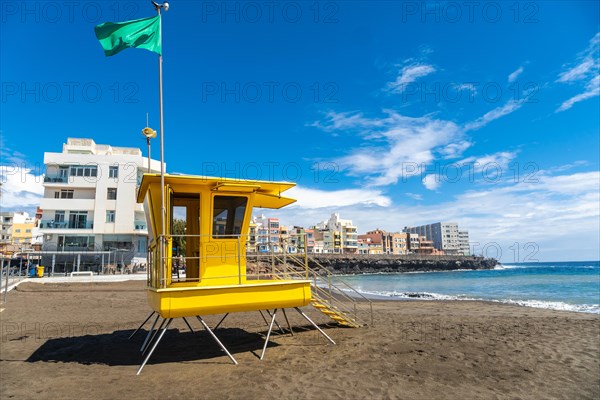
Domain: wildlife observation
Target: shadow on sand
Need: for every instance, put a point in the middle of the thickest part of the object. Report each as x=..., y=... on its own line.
x=176, y=346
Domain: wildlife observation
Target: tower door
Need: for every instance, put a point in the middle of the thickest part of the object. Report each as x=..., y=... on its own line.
x=186, y=233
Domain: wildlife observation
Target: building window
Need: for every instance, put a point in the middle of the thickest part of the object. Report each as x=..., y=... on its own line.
x=113, y=172
x=17, y=231
x=66, y=194
x=111, y=194
x=142, y=244
x=228, y=215
x=84, y=170
x=59, y=216
x=75, y=242
x=57, y=195
x=27, y=230
x=110, y=216
x=78, y=220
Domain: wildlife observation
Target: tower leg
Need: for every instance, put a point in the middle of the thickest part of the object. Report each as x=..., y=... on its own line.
x=276, y=323
x=153, y=336
x=188, y=324
x=288, y=322
x=216, y=339
x=268, y=333
x=150, y=332
x=154, y=346
x=143, y=323
x=220, y=322
x=315, y=325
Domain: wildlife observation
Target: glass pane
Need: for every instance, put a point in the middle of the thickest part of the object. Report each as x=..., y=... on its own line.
x=228, y=215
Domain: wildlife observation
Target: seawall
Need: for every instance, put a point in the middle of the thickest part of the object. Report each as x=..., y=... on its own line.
x=368, y=264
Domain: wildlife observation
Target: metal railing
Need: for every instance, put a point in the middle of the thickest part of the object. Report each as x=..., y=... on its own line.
x=46, y=224
x=11, y=274
x=56, y=179
x=329, y=289
x=289, y=260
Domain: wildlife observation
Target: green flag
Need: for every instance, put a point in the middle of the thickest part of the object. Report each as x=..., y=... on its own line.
x=141, y=33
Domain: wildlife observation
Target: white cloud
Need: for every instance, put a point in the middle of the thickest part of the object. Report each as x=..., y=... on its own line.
x=399, y=146
x=414, y=196
x=559, y=216
x=498, y=112
x=21, y=188
x=585, y=71
x=456, y=149
x=409, y=74
x=592, y=89
x=470, y=88
x=515, y=74
x=577, y=72
x=432, y=181
x=405, y=144
x=315, y=198
x=346, y=121
x=498, y=160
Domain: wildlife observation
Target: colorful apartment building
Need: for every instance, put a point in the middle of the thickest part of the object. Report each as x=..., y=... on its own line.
x=344, y=235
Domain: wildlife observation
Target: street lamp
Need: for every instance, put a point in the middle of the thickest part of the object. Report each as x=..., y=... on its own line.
x=149, y=133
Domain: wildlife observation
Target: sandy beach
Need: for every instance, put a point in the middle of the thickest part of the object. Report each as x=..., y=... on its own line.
x=70, y=341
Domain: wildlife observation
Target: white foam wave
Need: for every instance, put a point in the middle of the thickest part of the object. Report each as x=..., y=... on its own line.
x=551, y=305
x=556, y=305
x=511, y=266
x=522, y=266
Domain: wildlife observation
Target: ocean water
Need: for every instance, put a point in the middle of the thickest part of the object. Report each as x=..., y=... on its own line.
x=571, y=286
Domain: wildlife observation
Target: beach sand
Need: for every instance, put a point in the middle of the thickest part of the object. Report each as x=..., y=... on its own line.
x=70, y=341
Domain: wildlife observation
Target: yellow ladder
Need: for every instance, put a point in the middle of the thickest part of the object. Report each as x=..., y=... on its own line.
x=334, y=313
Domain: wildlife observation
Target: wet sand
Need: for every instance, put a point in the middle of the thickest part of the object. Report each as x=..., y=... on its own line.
x=70, y=341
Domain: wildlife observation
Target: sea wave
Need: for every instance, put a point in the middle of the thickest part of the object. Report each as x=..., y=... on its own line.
x=551, y=305
x=523, y=266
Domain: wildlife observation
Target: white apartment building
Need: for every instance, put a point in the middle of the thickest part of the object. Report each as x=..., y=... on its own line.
x=89, y=203
x=463, y=242
x=347, y=230
x=445, y=236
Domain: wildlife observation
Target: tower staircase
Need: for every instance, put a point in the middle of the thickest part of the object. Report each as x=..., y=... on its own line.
x=331, y=295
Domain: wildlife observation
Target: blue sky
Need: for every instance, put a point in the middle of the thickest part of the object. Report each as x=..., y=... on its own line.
x=391, y=113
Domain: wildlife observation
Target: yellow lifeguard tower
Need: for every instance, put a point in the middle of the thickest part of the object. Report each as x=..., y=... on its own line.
x=217, y=216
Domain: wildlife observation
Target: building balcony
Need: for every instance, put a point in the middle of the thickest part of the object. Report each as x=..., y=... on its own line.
x=56, y=179
x=140, y=225
x=50, y=224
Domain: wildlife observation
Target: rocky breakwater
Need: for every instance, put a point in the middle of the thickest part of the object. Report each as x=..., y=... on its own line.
x=371, y=263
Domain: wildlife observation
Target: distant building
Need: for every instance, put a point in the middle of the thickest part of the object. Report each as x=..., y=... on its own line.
x=344, y=234
x=310, y=240
x=445, y=237
x=463, y=242
x=89, y=203
x=366, y=245
x=18, y=229
x=391, y=242
x=269, y=234
x=252, y=234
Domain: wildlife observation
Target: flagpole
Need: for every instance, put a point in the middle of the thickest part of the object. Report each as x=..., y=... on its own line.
x=162, y=136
